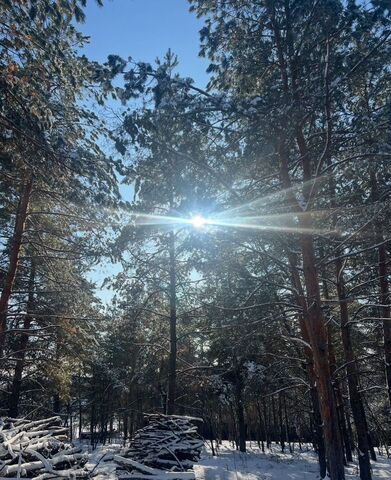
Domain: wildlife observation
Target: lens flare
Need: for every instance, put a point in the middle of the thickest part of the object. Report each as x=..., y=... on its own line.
x=198, y=221
x=241, y=218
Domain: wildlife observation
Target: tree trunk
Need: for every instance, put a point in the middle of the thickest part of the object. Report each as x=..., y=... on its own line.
x=92, y=425
x=340, y=404
x=318, y=340
x=281, y=424
x=79, y=402
x=287, y=427
x=20, y=223
x=267, y=424
x=385, y=300
x=336, y=384
x=173, y=324
x=240, y=415
x=309, y=365
x=317, y=432
x=70, y=417
x=125, y=426
x=386, y=307
x=262, y=428
x=57, y=404
x=290, y=74
x=275, y=435
x=353, y=383
x=20, y=354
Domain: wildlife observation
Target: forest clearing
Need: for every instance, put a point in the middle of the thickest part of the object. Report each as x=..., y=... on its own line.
x=195, y=246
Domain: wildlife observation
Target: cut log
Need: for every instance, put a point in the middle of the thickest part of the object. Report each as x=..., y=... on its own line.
x=167, y=442
x=36, y=449
x=166, y=449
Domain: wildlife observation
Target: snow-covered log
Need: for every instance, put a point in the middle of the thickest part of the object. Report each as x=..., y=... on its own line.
x=37, y=449
x=165, y=449
x=167, y=443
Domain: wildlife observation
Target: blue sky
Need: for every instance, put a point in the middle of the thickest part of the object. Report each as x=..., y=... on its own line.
x=144, y=30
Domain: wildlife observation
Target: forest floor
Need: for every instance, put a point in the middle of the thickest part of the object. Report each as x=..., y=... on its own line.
x=273, y=465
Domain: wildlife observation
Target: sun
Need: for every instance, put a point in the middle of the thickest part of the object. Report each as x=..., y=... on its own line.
x=198, y=221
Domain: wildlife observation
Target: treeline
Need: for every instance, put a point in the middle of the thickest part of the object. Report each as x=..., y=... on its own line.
x=271, y=319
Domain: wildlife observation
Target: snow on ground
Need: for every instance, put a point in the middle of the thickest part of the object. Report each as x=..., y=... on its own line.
x=273, y=465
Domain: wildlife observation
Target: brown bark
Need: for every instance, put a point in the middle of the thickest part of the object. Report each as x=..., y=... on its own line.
x=20, y=223
x=314, y=326
x=317, y=327
x=333, y=367
x=318, y=340
x=173, y=324
x=384, y=289
x=314, y=318
x=356, y=403
x=340, y=403
x=309, y=365
x=20, y=354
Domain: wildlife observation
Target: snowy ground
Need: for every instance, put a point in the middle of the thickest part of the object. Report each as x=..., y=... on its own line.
x=255, y=465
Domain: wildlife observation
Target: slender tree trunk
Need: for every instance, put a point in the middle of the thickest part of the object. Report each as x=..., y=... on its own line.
x=349, y=423
x=125, y=426
x=79, y=403
x=275, y=435
x=267, y=424
x=309, y=365
x=385, y=299
x=333, y=365
x=287, y=432
x=173, y=325
x=262, y=427
x=56, y=403
x=20, y=354
x=371, y=448
x=241, y=430
x=70, y=416
x=80, y=419
x=92, y=425
x=20, y=223
x=290, y=72
x=386, y=311
x=281, y=424
x=318, y=340
x=353, y=383
x=340, y=405
x=316, y=323
x=212, y=445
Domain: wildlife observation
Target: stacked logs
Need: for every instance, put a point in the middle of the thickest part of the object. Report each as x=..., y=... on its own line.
x=36, y=449
x=166, y=448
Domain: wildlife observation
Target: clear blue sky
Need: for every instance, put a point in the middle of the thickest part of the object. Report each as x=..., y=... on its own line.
x=144, y=30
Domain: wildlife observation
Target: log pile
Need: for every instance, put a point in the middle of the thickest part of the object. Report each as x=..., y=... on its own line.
x=166, y=448
x=37, y=449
